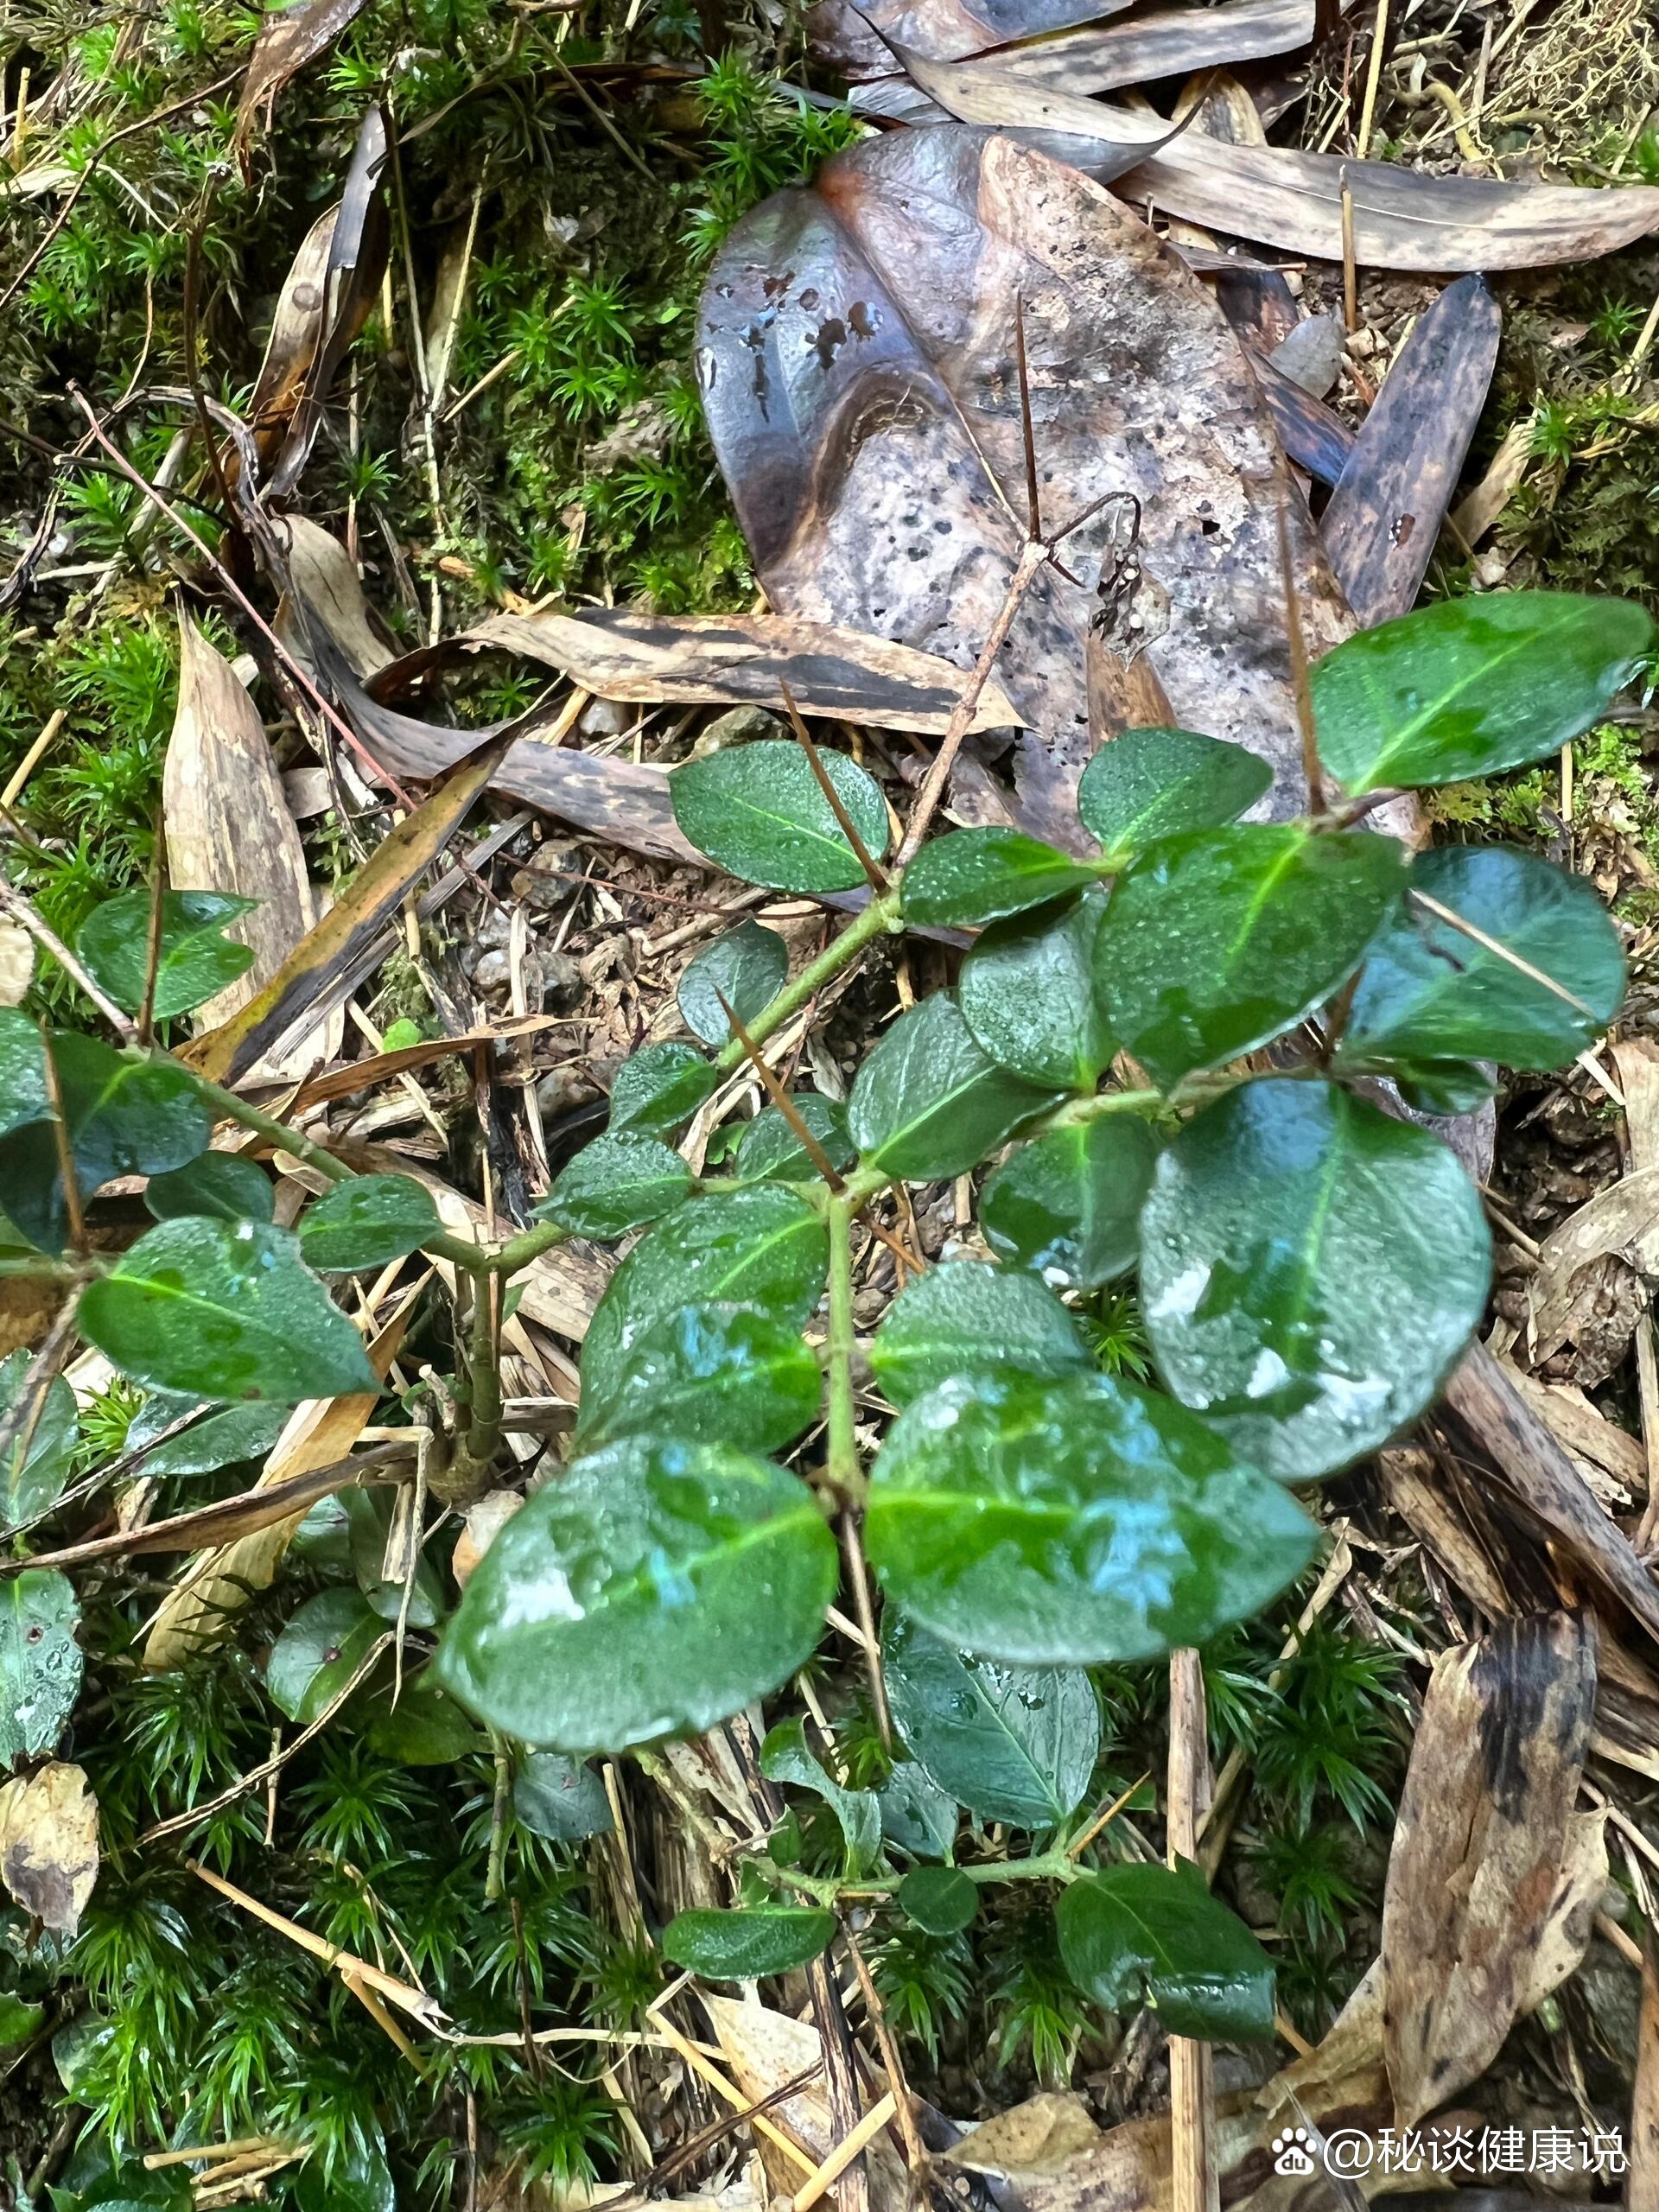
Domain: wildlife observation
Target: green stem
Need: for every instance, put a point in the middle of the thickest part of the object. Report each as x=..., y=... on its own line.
x=845, y=1476
x=518, y=1251
x=879, y=916
x=494, y=1879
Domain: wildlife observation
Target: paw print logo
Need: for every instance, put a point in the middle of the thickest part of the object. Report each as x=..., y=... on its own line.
x=1291, y=2153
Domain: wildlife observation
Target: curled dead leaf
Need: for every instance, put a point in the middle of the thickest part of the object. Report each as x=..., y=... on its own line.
x=48, y=1844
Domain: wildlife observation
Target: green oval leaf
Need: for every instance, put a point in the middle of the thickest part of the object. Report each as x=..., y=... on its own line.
x=1027, y=994
x=1431, y=991
x=772, y=1153
x=238, y=1433
x=319, y=1651
x=36, y=1465
x=928, y=1103
x=1148, y=784
x=1216, y=943
x=1442, y=1087
x=1473, y=686
x=124, y=1116
x=1014, y=1744
x=197, y=959
x=1067, y=1206
x=1310, y=1270
x=559, y=1797
x=785, y=1756
x=368, y=1528
x=653, y=1590
x=658, y=1090
x=757, y=812
x=366, y=1222
x=941, y=1900
x=1154, y=1935
x=760, y=1246
x=39, y=1662
x=614, y=1184
x=1066, y=1523
x=916, y=1814
x=971, y=876
x=426, y=1727
x=963, y=1317
x=712, y=1374
x=225, y=1311
x=23, y=1095
x=748, y=1944
x=220, y=1186
x=748, y=968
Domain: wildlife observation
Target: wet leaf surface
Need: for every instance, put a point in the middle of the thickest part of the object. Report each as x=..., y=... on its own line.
x=961, y=1318
x=1156, y=1931
x=1027, y=993
x=928, y=1103
x=1067, y=1206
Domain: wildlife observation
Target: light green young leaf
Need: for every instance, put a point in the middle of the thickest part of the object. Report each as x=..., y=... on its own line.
x=1067, y=1206
x=1073, y=1522
x=1148, y=784
x=658, y=1090
x=1154, y=1935
x=1215, y=943
x=974, y=877
x=1470, y=687
x=1311, y=1271
x=366, y=1222
x=785, y=1756
x=707, y=1374
x=614, y=1184
x=219, y=1185
x=226, y=1312
x=757, y=812
x=1027, y=994
x=197, y=959
x=928, y=1103
x=35, y=1466
x=747, y=1945
x=1430, y=991
x=748, y=968
x=965, y=1316
x=654, y=1589
x=39, y=1662
x=1014, y=1744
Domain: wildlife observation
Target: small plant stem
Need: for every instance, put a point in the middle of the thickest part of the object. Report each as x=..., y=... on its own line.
x=780, y=1098
x=845, y=1476
x=1192, y=2086
x=467, y=1473
x=494, y=1879
x=879, y=916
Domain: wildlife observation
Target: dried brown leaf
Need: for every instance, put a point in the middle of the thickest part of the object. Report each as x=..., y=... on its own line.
x=288, y=39
x=1620, y=1223
x=48, y=1844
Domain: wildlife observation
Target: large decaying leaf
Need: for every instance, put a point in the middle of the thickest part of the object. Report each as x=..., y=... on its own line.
x=290, y=38
x=849, y=335
x=1311, y=1270
x=654, y=1589
x=1480, y=1840
x=48, y=1844
x=1073, y=1522
x=1016, y=1743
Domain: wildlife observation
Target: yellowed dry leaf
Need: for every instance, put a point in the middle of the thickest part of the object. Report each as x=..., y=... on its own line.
x=17, y=963
x=484, y=1520
x=323, y=574
x=48, y=1844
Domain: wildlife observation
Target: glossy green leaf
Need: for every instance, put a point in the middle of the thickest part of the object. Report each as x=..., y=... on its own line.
x=1027, y=994
x=366, y=1222
x=770, y=1150
x=321, y=1647
x=963, y=1317
x=707, y=1374
x=1148, y=784
x=786, y=1757
x=225, y=1312
x=760, y=1246
x=1216, y=943
x=124, y=1116
x=1063, y=1523
x=1432, y=991
x=197, y=959
x=654, y=1589
x=1014, y=1744
x=1310, y=1270
x=426, y=1727
x=614, y=1184
x=917, y=1815
x=39, y=1662
x=1470, y=687
x=23, y=1095
x=557, y=1797
x=929, y=1102
x=1442, y=1087
x=35, y=1466
x=220, y=1185
x=757, y=812
x=748, y=968
x=940, y=1900
x=220, y=1440
x=1154, y=1935
x=744, y=1945
x=973, y=876
x=1067, y=1206
x=658, y=1090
